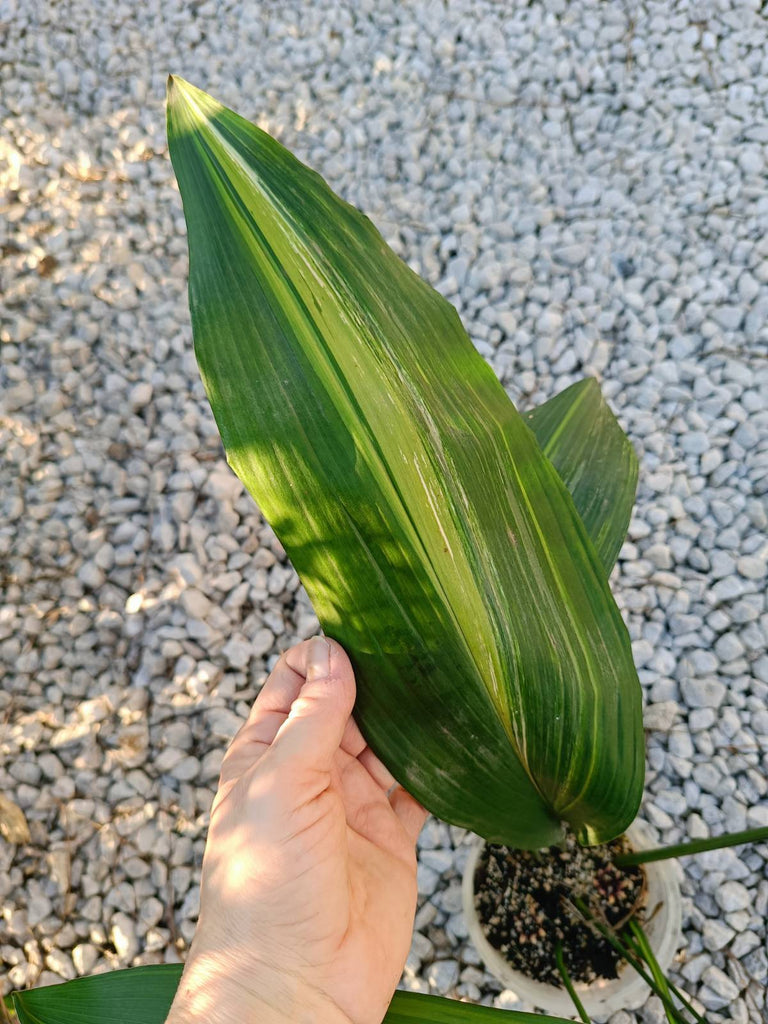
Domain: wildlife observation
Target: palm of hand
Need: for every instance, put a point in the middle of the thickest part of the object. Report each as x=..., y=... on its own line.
x=310, y=863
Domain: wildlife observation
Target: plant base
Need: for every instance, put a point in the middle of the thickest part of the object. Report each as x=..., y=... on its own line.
x=524, y=899
x=602, y=996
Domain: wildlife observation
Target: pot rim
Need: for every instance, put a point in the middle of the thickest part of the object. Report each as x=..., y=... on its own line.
x=604, y=996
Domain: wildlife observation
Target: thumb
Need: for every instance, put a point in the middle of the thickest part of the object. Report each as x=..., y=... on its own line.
x=313, y=730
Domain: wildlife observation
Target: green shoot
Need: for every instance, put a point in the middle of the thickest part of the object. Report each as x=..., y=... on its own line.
x=643, y=947
x=673, y=990
x=751, y=835
x=569, y=984
x=635, y=961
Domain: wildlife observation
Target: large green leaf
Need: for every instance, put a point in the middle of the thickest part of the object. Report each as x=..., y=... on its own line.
x=412, y=1008
x=143, y=995
x=583, y=440
x=437, y=543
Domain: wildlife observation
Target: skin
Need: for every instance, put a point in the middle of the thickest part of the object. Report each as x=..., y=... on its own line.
x=308, y=887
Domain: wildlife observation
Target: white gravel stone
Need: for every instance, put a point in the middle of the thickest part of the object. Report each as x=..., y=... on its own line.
x=39, y=907
x=262, y=642
x=427, y=879
x=729, y=647
x=123, y=935
x=732, y=896
x=439, y=860
x=238, y=652
x=443, y=976
x=151, y=912
x=140, y=395
x=186, y=770
x=84, y=957
x=662, y=716
x=719, y=990
x=716, y=935
x=195, y=603
x=703, y=693
x=61, y=963
x=752, y=567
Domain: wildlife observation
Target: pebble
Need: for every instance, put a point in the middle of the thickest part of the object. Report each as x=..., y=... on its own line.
x=61, y=963
x=84, y=957
x=756, y=965
x=716, y=935
x=39, y=907
x=238, y=652
x=123, y=936
x=718, y=991
x=140, y=395
x=703, y=693
x=571, y=255
x=439, y=860
x=195, y=603
x=151, y=912
x=729, y=647
x=426, y=879
x=744, y=943
x=653, y=1012
x=733, y=896
x=751, y=567
x=661, y=717
x=443, y=975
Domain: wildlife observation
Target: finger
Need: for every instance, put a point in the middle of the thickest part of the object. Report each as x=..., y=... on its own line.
x=378, y=771
x=366, y=807
x=356, y=785
x=250, y=744
x=296, y=657
x=317, y=721
x=352, y=741
x=390, y=824
x=280, y=690
x=268, y=713
x=410, y=812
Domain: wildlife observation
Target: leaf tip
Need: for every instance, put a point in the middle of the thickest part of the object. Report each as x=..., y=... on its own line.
x=188, y=109
x=189, y=102
x=173, y=89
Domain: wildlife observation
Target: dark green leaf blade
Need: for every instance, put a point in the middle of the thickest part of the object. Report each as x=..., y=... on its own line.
x=143, y=995
x=414, y=1008
x=363, y=568
x=436, y=542
x=583, y=440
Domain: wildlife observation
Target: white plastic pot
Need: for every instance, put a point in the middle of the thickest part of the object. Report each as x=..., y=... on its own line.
x=602, y=997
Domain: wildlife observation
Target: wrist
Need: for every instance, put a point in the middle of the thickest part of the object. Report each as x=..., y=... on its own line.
x=214, y=992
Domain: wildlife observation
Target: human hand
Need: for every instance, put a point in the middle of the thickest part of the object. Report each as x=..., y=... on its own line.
x=308, y=887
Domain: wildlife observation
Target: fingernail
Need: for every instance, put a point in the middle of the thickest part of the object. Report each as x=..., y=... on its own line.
x=318, y=659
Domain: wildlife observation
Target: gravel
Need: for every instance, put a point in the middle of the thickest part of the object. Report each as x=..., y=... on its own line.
x=586, y=182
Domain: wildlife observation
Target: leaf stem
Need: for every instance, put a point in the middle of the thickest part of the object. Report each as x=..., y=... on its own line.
x=673, y=989
x=635, y=961
x=569, y=984
x=644, y=950
x=751, y=835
